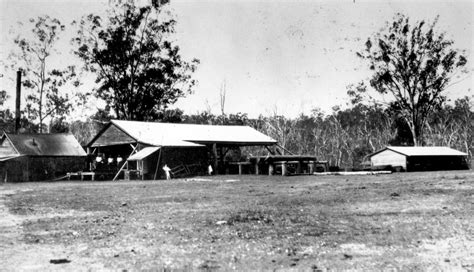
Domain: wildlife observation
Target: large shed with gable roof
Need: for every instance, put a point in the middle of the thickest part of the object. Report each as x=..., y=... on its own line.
x=145, y=147
x=416, y=158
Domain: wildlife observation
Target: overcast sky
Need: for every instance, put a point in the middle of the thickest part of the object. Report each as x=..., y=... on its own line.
x=287, y=57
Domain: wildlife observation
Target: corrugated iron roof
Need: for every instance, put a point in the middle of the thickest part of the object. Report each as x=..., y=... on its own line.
x=426, y=151
x=46, y=144
x=170, y=134
x=145, y=152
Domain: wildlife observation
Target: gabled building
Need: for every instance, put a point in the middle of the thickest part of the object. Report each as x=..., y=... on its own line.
x=416, y=158
x=145, y=147
x=37, y=157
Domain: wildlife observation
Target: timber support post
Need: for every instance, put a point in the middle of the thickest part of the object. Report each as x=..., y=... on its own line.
x=157, y=164
x=283, y=169
x=270, y=169
x=221, y=160
x=216, y=162
x=257, y=172
x=311, y=167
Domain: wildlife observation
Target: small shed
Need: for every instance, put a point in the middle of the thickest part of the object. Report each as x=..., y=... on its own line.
x=416, y=158
x=146, y=146
x=37, y=157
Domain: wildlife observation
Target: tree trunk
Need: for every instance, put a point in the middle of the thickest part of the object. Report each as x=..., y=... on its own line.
x=413, y=129
x=41, y=99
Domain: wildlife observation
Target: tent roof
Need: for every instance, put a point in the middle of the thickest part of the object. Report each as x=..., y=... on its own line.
x=46, y=144
x=145, y=152
x=171, y=134
x=423, y=151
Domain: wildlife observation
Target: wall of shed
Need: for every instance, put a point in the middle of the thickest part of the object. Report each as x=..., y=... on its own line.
x=388, y=158
x=14, y=170
x=436, y=163
x=113, y=136
x=6, y=148
x=47, y=168
x=174, y=157
x=25, y=168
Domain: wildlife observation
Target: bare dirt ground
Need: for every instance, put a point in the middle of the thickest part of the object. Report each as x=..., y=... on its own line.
x=406, y=221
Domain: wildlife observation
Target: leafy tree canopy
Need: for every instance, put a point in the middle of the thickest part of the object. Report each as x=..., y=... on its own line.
x=414, y=64
x=139, y=71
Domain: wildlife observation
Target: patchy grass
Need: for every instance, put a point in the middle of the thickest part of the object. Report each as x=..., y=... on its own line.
x=407, y=221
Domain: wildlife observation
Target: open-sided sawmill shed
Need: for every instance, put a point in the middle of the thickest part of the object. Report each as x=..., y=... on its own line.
x=37, y=157
x=143, y=148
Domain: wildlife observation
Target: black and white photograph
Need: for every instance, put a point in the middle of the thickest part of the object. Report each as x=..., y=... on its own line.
x=236, y=135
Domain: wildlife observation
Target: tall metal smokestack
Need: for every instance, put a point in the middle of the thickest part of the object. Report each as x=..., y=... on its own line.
x=17, y=104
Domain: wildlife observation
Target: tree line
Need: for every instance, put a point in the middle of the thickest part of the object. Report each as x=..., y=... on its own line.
x=344, y=137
